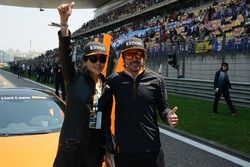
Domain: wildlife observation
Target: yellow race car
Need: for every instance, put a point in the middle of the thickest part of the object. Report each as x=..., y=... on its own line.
x=30, y=123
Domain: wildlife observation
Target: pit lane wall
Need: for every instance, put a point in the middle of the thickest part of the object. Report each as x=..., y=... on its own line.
x=195, y=77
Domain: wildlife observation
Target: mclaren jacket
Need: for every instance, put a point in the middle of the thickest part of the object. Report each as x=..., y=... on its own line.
x=137, y=102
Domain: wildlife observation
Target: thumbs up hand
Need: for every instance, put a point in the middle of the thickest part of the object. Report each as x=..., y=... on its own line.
x=172, y=117
x=65, y=11
x=109, y=160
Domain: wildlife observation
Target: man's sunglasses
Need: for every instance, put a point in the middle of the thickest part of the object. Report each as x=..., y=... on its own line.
x=95, y=58
x=130, y=55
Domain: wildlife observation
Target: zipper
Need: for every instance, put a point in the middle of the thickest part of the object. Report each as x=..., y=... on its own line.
x=134, y=88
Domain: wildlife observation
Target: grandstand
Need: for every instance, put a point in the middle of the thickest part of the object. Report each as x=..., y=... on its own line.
x=185, y=39
x=200, y=35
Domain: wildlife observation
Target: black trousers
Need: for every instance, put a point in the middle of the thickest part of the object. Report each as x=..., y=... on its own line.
x=149, y=159
x=226, y=95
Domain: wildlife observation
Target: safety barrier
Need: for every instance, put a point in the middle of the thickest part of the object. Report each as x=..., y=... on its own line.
x=204, y=89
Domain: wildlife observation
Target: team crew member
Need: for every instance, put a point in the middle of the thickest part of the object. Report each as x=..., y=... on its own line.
x=81, y=142
x=221, y=87
x=138, y=93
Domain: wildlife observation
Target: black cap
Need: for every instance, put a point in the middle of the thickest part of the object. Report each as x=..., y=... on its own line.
x=93, y=48
x=133, y=43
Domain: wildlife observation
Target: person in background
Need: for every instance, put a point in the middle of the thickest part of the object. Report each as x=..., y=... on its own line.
x=59, y=81
x=19, y=71
x=221, y=88
x=139, y=93
x=29, y=69
x=81, y=142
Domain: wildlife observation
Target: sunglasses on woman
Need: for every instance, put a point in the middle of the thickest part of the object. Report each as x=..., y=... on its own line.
x=137, y=55
x=95, y=58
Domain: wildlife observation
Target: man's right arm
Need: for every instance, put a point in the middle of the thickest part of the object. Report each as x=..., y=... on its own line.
x=107, y=109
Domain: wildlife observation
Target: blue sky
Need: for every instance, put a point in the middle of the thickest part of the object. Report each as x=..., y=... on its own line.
x=21, y=26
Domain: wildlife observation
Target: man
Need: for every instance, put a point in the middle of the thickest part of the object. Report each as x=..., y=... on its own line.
x=139, y=93
x=221, y=87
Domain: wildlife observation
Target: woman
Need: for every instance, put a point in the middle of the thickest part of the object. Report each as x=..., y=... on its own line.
x=81, y=142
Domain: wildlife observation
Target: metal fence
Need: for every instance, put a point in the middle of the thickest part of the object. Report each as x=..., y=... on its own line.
x=204, y=89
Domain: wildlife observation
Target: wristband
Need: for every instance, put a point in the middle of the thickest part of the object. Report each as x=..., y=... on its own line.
x=64, y=25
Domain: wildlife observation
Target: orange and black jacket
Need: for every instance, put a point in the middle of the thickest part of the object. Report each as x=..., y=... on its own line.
x=75, y=132
x=137, y=102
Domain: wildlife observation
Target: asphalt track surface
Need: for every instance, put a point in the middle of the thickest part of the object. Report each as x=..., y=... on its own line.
x=181, y=149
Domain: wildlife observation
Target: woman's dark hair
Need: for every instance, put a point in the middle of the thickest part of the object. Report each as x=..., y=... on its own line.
x=224, y=64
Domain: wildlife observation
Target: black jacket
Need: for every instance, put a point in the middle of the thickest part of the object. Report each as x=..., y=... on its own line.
x=225, y=83
x=75, y=132
x=137, y=102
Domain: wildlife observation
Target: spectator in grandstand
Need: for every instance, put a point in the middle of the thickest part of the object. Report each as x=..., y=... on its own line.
x=221, y=87
x=82, y=142
x=139, y=93
x=59, y=81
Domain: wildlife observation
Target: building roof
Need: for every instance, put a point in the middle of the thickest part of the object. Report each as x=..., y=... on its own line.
x=79, y=4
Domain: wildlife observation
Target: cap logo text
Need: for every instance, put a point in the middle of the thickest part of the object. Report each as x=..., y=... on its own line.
x=94, y=47
x=137, y=43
